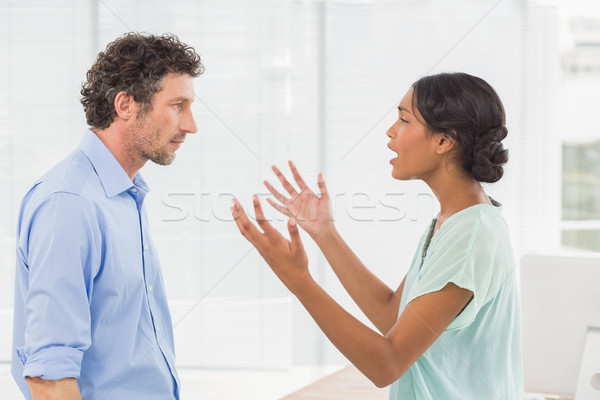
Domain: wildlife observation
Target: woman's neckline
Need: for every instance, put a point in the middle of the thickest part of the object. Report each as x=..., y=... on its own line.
x=495, y=207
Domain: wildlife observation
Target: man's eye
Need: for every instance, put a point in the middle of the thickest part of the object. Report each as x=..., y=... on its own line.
x=178, y=105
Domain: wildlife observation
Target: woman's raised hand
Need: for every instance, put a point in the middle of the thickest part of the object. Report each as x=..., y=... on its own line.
x=312, y=212
x=286, y=258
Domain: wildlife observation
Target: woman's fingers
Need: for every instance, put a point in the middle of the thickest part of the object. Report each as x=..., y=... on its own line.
x=286, y=185
x=276, y=193
x=286, y=258
x=322, y=187
x=279, y=208
x=298, y=177
x=247, y=228
x=267, y=228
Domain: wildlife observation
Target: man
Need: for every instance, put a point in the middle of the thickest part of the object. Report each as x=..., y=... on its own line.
x=91, y=316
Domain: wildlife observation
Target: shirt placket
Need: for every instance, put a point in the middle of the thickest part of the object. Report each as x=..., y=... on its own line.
x=147, y=267
x=150, y=275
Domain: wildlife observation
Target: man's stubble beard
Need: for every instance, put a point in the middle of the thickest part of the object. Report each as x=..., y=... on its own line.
x=144, y=143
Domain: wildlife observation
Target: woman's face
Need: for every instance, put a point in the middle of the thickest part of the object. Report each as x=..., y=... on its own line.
x=415, y=149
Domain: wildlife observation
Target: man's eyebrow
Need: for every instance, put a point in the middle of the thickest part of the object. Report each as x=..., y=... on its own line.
x=403, y=109
x=182, y=99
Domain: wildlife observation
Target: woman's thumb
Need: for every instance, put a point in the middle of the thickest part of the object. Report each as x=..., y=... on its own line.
x=295, y=235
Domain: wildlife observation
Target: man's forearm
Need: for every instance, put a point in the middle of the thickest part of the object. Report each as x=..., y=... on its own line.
x=62, y=389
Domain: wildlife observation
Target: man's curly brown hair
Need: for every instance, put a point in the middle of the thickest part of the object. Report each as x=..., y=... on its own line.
x=135, y=63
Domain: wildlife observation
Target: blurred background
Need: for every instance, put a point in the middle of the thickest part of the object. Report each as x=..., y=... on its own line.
x=316, y=82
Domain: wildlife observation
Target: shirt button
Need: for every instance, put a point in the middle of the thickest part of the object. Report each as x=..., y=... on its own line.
x=146, y=247
x=157, y=327
x=149, y=288
x=133, y=190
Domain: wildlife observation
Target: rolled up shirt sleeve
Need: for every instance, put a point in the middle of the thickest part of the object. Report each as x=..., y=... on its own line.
x=62, y=255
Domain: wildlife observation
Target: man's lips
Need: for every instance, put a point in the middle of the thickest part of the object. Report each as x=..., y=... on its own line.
x=177, y=141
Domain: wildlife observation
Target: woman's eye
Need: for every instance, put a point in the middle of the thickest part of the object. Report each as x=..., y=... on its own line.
x=403, y=121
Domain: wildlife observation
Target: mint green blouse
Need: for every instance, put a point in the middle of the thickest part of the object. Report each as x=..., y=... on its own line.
x=479, y=355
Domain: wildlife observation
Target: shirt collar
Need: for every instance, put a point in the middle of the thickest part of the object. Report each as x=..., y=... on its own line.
x=113, y=177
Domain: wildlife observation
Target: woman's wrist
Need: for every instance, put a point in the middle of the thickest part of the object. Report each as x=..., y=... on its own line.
x=303, y=288
x=327, y=233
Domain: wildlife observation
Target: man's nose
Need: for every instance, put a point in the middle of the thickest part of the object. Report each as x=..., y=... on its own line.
x=188, y=124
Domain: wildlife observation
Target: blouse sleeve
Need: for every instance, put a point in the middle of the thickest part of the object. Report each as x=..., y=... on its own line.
x=462, y=253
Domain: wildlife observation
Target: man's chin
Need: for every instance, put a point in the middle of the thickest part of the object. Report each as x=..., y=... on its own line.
x=164, y=160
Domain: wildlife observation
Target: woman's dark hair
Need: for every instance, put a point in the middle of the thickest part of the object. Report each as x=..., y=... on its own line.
x=468, y=110
x=137, y=64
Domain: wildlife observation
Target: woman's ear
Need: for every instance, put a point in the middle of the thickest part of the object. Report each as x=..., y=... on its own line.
x=445, y=143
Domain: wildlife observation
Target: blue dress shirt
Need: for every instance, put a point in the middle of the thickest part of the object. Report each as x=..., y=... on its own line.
x=89, y=295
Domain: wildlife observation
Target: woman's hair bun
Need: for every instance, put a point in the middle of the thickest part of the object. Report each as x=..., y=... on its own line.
x=489, y=155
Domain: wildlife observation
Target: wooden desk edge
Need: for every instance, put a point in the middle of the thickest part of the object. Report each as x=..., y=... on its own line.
x=346, y=384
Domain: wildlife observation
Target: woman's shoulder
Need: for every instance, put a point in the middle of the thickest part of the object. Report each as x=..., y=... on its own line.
x=480, y=219
x=480, y=237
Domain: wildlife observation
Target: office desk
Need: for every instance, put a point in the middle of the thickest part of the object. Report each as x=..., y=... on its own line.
x=350, y=384
x=347, y=384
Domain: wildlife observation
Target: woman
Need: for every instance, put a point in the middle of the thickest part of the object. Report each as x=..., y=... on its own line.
x=452, y=329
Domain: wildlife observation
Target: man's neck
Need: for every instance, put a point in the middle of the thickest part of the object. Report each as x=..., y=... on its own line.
x=112, y=137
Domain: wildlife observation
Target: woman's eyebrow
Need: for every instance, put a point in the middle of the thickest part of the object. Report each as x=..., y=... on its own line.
x=403, y=109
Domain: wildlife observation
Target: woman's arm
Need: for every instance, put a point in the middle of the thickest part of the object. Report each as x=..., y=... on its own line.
x=313, y=213
x=383, y=359
x=376, y=300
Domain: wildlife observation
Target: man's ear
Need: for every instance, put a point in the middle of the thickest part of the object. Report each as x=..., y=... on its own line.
x=125, y=105
x=444, y=144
